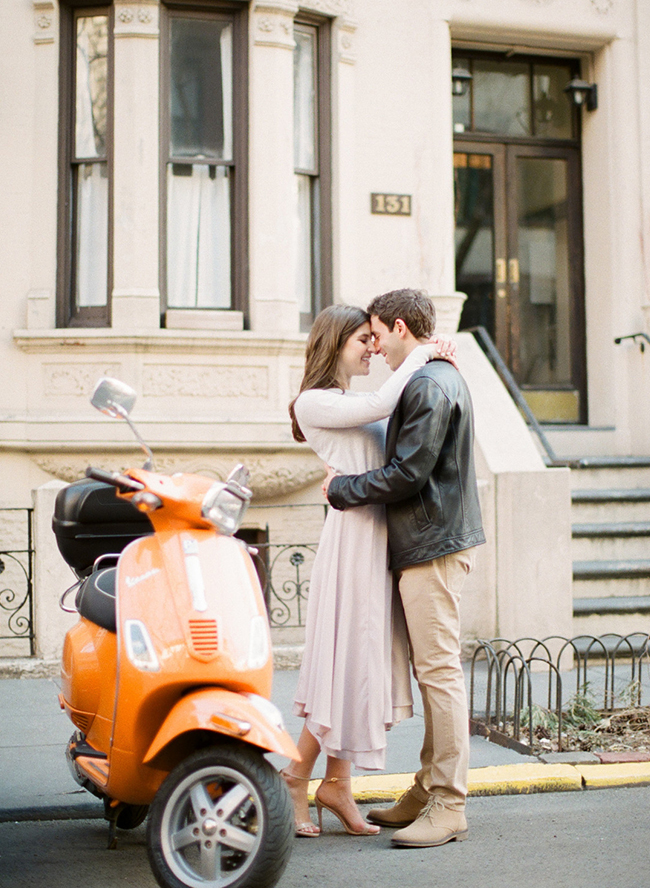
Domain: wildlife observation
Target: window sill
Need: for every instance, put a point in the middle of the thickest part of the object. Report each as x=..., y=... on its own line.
x=165, y=341
x=203, y=319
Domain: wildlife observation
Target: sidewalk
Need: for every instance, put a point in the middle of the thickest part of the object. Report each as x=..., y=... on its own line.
x=35, y=783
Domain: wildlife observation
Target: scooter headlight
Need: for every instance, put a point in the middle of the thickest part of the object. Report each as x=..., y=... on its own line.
x=139, y=648
x=269, y=710
x=225, y=504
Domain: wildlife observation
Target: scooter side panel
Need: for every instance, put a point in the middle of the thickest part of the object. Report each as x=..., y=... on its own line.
x=225, y=713
x=88, y=680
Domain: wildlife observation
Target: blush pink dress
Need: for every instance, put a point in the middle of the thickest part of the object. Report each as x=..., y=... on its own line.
x=354, y=679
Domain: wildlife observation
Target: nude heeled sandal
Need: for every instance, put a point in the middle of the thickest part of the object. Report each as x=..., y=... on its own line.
x=307, y=829
x=366, y=830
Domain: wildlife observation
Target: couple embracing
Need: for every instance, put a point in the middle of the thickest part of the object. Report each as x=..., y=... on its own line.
x=393, y=556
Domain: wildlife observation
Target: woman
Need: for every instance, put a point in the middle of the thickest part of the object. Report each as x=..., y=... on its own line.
x=354, y=680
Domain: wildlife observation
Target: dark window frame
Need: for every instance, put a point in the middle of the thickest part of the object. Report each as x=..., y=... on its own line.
x=322, y=219
x=237, y=12
x=67, y=313
x=531, y=60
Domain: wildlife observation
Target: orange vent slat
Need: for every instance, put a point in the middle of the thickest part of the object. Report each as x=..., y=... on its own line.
x=205, y=637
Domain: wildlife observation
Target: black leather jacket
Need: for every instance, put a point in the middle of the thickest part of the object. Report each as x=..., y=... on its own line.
x=429, y=482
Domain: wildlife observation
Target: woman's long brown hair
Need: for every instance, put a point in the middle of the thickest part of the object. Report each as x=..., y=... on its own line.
x=331, y=330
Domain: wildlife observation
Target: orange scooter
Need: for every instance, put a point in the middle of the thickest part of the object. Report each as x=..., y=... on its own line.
x=167, y=674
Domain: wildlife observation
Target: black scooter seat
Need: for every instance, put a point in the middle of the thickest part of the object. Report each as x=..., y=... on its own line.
x=95, y=599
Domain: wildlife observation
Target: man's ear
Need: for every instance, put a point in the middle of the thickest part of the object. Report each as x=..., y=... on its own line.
x=401, y=328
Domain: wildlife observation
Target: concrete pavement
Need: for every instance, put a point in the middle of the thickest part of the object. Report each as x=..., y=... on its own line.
x=35, y=783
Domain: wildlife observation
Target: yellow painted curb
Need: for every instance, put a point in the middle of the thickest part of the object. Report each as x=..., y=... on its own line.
x=525, y=778
x=373, y=787
x=495, y=780
x=619, y=774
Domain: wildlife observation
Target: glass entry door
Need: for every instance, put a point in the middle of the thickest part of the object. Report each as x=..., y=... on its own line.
x=519, y=260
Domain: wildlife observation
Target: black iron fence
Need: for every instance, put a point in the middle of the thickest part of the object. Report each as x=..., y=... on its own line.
x=512, y=682
x=16, y=583
x=285, y=568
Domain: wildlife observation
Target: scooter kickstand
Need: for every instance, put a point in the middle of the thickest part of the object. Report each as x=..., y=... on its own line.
x=112, y=810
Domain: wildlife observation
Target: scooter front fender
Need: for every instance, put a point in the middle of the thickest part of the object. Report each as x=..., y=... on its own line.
x=226, y=713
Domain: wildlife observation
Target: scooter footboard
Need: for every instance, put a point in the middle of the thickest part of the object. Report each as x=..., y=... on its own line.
x=245, y=717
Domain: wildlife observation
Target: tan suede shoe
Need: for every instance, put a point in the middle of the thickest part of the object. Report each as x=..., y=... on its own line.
x=435, y=825
x=404, y=811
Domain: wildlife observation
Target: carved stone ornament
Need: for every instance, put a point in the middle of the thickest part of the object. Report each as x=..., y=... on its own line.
x=136, y=19
x=45, y=21
x=272, y=475
x=328, y=7
x=205, y=381
x=274, y=24
x=75, y=380
x=603, y=6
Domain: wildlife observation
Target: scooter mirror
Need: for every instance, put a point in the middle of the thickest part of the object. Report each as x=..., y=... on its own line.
x=113, y=398
x=239, y=475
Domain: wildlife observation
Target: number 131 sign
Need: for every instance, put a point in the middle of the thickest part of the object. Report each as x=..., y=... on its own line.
x=390, y=204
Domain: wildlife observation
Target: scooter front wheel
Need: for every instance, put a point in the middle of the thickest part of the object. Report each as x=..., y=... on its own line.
x=222, y=817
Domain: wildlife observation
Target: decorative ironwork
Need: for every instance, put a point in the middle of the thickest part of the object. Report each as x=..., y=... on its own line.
x=518, y=674
x=285, y=571
x=16, y=583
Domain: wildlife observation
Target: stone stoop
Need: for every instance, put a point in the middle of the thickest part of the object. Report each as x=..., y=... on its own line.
x=611, y=545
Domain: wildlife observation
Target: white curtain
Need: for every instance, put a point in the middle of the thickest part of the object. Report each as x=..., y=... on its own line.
x=198, y=238
x=92, y=235
x=303, y=242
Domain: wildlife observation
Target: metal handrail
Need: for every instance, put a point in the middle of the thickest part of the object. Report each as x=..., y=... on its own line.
x=633, y=337
x=513, y=389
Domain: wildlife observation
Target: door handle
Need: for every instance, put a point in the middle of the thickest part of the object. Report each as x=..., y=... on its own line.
x=513, y=271
x=500, y=277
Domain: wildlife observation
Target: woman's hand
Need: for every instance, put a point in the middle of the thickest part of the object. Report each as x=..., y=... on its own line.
x=446, y=348
x=326, y=483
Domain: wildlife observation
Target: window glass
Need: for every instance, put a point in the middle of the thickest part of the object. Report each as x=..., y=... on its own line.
x=91, y=234
x=201, y=89
x=551, y=105
x=501, y=98
x=462, y=105
x=200, y=163
x=304, y=99
x=89, y=168
x=198, y=236
x=91, y=86
x=544, y=294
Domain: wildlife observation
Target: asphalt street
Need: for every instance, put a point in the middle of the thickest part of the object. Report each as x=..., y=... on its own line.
x=554, y=840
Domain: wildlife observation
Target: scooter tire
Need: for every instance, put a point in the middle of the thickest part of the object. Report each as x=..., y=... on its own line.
x=131, y=816
x=222, y=817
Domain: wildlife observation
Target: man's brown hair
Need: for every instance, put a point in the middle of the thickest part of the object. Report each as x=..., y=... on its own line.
x=414, y=307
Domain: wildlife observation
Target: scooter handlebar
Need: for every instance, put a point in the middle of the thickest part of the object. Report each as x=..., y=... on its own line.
x=122, y=482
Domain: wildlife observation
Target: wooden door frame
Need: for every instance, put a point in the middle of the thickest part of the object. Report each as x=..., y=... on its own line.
x=504, y=153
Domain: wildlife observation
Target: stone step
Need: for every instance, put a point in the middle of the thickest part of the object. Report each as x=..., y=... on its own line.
x=613, y=644
x=611, y=541
x=639, y=604
x=610, y=471
x=636, y=568
x=594, y=495
x=602, y=624
x=610, y=505
x=614, y=578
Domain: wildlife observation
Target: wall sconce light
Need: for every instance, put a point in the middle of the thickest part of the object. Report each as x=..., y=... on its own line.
x=582, y=93
x=460, y=81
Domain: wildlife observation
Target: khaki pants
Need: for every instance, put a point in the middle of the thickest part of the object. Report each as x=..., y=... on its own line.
x=430, y=593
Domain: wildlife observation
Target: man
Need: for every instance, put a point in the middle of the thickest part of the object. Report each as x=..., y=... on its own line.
x=434, y=523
